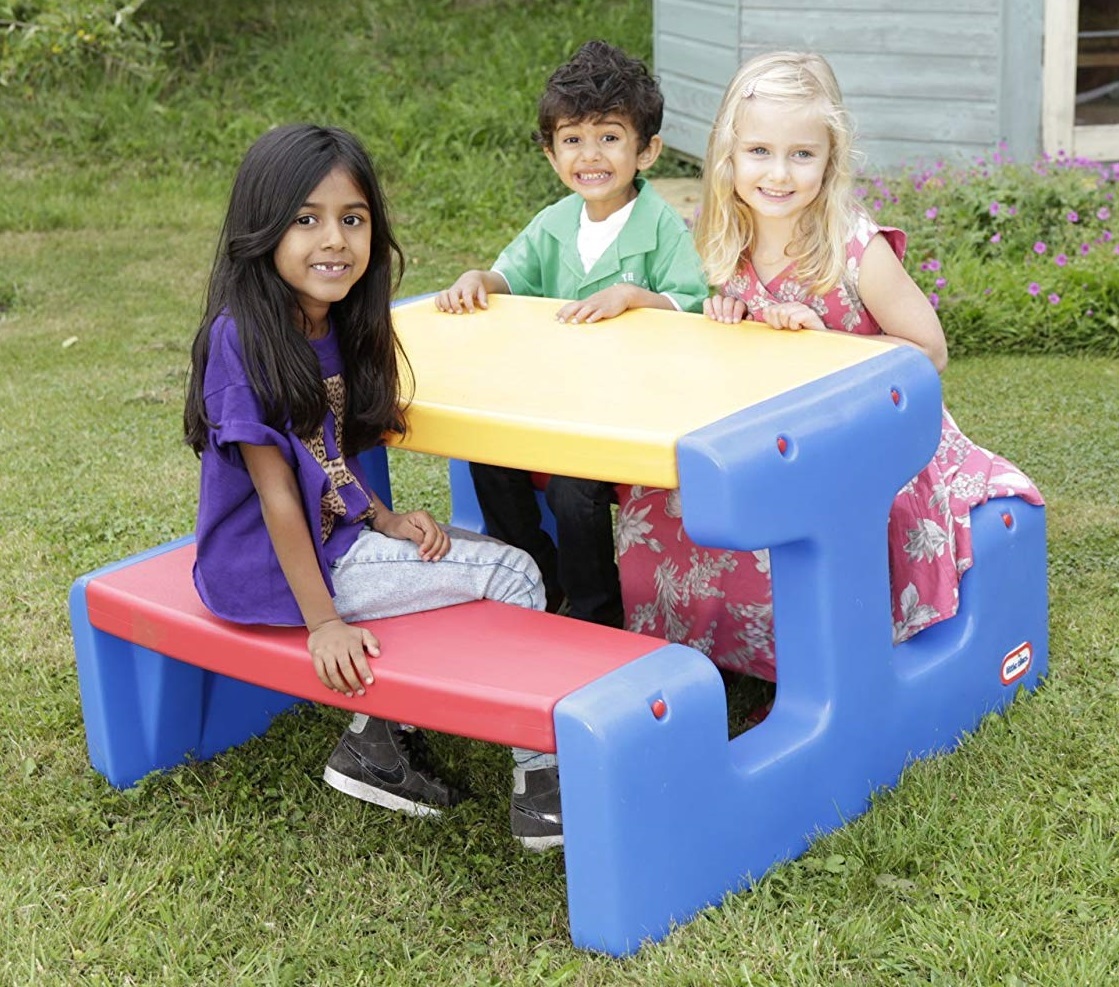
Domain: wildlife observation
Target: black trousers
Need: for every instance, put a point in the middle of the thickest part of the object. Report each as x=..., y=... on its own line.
x=581, y=564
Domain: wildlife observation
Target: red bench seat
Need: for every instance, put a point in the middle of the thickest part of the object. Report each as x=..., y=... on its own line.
x=485, y=670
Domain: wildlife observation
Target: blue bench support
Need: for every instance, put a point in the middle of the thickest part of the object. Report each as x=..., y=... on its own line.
x=144, y=711
x=690, y=817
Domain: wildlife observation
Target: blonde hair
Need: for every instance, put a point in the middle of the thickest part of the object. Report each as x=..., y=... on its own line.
x=725, y=229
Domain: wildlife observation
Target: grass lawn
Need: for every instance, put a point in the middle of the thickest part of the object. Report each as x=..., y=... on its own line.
x=993, y=866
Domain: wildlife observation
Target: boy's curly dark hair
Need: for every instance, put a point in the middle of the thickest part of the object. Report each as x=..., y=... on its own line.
x=600, y=79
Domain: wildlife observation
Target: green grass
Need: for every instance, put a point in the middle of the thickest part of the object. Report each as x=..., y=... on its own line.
x=992, y=866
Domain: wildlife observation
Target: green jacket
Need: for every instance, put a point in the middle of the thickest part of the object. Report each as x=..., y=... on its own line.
x=653, y=250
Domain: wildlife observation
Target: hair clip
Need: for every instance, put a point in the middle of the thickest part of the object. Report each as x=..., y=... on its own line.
x=748, y=90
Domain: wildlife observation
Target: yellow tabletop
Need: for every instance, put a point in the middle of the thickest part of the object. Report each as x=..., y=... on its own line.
x=514, y=387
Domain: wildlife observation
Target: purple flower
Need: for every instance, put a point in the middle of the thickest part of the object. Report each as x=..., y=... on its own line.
x=994, y=208
x=1012, y=211
x=997, y=238
x=1060, y=260
x=1084, y=250
x=1106, y=238
x=1103, y=214
x=931, y=265
x=1040, y=248
x=1034, y=288
x=934, y=299
x=877, y=204
x=941, y=282
x=1073, y=216
x=1054, y=298
x=931, y=213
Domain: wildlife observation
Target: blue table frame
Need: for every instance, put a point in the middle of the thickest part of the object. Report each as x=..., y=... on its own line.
x=663, y=815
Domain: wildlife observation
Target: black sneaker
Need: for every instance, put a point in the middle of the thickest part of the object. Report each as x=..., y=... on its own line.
x=388, y=766
x=534, y=815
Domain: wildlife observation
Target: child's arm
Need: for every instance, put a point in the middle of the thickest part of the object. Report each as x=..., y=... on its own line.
x=612, y=302
x=340, y=650
x=899, y=307
x=471, y=290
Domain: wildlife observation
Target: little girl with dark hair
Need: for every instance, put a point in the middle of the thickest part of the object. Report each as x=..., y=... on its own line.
x=296, y=369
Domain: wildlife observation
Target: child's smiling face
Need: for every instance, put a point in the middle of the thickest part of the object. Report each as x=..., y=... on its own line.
x=780, y=158
x=599, y=159
x=326, y=249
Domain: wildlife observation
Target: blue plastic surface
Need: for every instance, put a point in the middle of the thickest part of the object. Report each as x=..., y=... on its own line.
x=146, y=712
x=375, y=463
x=665, y=816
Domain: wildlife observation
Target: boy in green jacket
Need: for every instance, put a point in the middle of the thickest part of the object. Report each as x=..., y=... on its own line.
x=613, y=245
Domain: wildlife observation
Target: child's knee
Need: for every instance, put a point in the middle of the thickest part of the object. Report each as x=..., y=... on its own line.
x=525, y=585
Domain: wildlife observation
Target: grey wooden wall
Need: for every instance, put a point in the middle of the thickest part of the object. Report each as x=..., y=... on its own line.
x=925, y=79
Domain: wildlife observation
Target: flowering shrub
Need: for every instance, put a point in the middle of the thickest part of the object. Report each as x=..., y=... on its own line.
x=1013, y=257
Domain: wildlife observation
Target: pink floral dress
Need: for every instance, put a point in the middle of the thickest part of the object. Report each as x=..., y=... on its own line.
x=720, y=602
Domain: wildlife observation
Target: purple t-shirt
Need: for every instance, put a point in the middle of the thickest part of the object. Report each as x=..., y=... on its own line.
x=237, y=573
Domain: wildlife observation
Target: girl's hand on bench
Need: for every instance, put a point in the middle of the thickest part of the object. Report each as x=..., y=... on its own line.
x=341, y=655
x=415, y=526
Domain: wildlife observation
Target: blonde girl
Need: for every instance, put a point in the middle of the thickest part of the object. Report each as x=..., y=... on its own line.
x=777, y=192
x=786, y=242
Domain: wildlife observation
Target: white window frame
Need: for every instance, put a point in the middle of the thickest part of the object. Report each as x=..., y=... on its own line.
x=1058, y=122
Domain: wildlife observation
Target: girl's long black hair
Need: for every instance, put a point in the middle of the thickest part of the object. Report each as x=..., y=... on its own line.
x=276, y=177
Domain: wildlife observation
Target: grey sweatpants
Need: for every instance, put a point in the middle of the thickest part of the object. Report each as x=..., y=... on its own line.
x=385, y=577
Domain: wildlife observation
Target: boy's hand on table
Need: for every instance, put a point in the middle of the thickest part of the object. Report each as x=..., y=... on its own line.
x=606, y=304
x=466, y=295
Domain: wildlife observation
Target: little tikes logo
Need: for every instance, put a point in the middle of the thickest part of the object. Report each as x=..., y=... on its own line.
x=1016, y=664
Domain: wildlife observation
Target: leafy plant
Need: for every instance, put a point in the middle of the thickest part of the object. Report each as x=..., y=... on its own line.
x=45, y=41
x=1012, y=254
